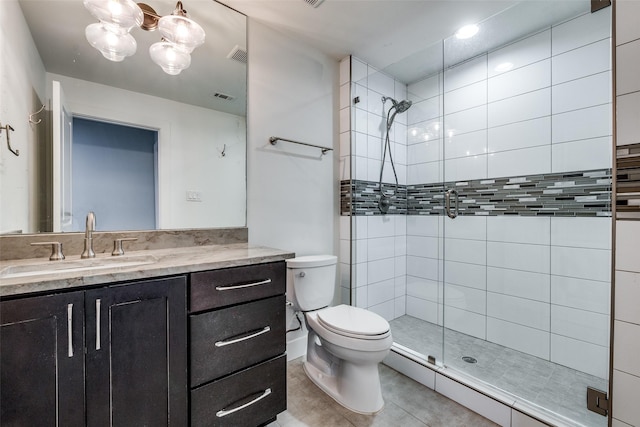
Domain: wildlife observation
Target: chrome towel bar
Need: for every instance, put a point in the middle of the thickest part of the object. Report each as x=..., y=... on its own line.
x=274, y=140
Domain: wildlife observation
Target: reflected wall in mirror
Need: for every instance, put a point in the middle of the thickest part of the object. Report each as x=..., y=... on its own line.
x=198, y=118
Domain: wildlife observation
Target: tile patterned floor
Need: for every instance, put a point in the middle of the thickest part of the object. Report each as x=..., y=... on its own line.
x=557, y=388
x=407, y=404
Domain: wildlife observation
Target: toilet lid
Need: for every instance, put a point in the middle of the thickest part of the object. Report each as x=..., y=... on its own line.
x=348, y=320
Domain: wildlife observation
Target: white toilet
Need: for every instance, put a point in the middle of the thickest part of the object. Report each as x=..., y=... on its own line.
x=345, y=343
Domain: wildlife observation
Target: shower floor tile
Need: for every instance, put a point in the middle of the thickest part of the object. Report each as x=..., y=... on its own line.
x=555, y=388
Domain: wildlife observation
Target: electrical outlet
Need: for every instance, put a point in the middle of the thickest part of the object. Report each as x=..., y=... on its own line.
x=194, y=196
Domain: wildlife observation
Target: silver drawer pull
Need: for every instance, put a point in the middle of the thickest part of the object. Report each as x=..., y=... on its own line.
x=246, y=337
x=224, y=413
x=243, y=285
x=70, y=329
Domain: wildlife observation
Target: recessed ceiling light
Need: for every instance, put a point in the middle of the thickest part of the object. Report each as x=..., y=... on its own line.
x=467, y=31
x=505, y=66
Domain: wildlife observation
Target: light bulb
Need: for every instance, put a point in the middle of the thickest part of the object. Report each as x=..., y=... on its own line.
x=181, y=31
x=125, y=14
x=169, y=57
x=114, y=43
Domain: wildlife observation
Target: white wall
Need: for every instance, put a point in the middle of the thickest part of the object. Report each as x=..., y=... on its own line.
x=22, y=75
x=190, y=140
x=626, y=374
x=292, y=201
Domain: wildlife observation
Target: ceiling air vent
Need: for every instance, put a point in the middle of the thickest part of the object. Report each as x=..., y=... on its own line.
x=224, y=96
x=238, y=54
x=314, y=3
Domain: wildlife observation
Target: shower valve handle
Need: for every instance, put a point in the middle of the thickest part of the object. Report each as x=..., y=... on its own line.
x=447, y=203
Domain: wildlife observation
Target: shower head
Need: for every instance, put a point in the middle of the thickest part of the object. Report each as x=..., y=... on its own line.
x=400, y=107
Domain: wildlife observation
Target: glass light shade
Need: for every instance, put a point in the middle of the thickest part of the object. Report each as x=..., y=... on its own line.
x=114, y=43
x=181, y=31
x=123, y=13
x=169, y=57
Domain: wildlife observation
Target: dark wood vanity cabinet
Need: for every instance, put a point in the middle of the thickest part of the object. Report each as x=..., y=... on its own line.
x=134, y=372
x=237, y=345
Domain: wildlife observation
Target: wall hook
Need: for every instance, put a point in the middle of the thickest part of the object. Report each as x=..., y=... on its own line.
x=8, y=128
x=33, y=114
x=224, y=150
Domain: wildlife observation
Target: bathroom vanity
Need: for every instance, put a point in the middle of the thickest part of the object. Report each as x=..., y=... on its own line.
x=189, y=336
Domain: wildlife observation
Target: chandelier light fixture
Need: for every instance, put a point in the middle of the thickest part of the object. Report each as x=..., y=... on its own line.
x=112, y=37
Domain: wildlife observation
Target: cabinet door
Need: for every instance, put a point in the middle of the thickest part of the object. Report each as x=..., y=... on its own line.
x=42, y=360
x=136, y=354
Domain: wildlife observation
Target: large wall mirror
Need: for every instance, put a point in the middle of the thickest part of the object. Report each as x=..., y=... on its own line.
x=141, y=148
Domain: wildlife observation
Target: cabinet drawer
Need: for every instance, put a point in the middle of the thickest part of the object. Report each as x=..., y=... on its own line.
x=228, y=286
x=246, y=398
x=229, y=339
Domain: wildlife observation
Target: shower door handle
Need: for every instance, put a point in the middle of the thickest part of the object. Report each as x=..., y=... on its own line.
x=447, y=203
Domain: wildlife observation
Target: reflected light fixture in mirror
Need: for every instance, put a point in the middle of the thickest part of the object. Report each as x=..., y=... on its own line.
x=111, y=36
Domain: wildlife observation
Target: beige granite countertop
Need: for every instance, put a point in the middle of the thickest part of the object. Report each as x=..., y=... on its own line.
x=144, y=264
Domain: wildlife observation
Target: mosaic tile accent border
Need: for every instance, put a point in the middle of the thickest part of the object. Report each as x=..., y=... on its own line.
x=628, y=182
x=582, y=193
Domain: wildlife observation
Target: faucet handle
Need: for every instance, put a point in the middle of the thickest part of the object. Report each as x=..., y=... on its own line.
x=56, y=250
x=117, y=245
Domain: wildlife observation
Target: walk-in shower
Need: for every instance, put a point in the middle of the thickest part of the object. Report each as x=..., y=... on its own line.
x=396, y=108
x=514, y=127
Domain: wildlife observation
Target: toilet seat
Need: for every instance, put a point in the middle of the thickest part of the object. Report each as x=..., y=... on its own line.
x=353, y=322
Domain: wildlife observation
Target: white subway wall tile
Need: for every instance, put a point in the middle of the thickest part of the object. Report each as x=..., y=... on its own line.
x=465, y=121
x=580, y=355
x=361, y=275
x=360, y=169
x=467, y=227
x=360, y=121
x=464, y=298
x=580, y=31
x=362, y=93
x=400, y=307
x=463, y=250
x=465, y=168
x=534, y=230
x=425, y=132
x=529, y=133
x=361, y=227
x=400, y=266
x=424, y=110
x=523, y=284
x=581, y=155
x=361, y=297
x=627, y=21
x=424, y=89
x=359, y=71
x=425, y=173
x=427, y=225
x=469, y=72
x=374, y=103
x=424, y=152
x=522, y=338
x=465, y=274
x=583, y=294
x=380, y=270
x=525, y=161
x=380, y=82
x=422, y=309
x=466, y=97
x=386, y=309
x=400, y=245
x=424, y=289
x=380, y=226
x=522, y=80
x=361, y=251
x=592, y=233
x=426, y=268
x=580, y=324
x=594, y=122
x=466, y=144
x=381, y=292
x=400, y=286
x=376, y=125
x=626, y=347
x=583, y=61
x=516, y=256
x=464, y=321
x=628, y=125
x=533, y=314
x=625, y=390
x=592, y=264
x=627, y=296
x=526, y=51
x=519, y=108
x=380, y=248
x=426, y=247
x=581, y=93
x=360, y=148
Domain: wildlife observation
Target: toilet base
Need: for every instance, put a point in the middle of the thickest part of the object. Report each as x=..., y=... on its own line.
x=356, y=387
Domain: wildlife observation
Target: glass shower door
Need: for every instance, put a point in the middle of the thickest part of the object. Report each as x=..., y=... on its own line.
x=526, y=143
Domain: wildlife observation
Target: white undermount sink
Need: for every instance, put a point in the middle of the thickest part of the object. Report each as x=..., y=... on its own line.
x=89, y=265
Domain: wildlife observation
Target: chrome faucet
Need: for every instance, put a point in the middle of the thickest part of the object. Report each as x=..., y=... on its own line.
x=88, y=236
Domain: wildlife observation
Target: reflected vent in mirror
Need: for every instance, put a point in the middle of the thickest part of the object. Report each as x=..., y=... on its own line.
x=224, y=96
x=238, y=54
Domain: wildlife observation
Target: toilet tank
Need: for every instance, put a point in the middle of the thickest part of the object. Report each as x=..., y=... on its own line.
x=311, y=281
